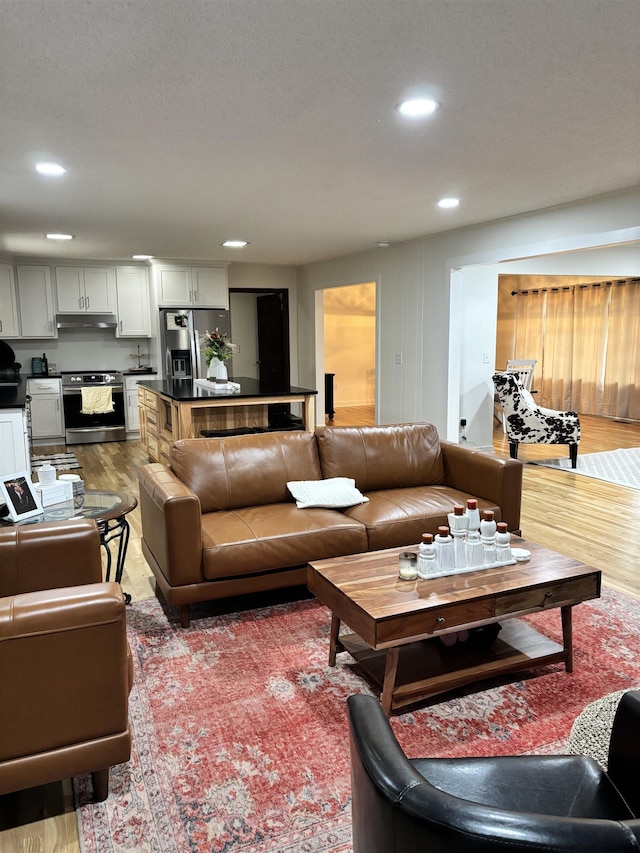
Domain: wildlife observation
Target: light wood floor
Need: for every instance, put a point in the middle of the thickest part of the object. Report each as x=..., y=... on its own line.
x=596, y=522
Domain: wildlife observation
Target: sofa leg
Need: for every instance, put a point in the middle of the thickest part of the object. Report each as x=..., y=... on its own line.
x=513, y=449
x=185, y=615
x=100, y=780
x=573, y=454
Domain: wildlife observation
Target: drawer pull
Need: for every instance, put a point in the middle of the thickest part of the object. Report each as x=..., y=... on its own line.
x=548, y=594
x=440, y=620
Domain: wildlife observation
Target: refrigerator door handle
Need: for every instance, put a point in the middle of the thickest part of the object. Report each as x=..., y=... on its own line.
x=197, y=373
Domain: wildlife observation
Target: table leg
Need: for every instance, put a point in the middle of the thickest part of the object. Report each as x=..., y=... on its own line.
x=390, y=670
x=309, y=415
x=120, y=531
x=333, y=639
x=108, y=553
x=567, y=636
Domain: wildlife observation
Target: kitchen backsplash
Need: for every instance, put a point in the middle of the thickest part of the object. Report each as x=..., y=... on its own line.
x=85, y=349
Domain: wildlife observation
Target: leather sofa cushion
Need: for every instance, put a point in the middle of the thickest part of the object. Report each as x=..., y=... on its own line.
x=245, y=470
x=565, y=786
x=384, y=457
x=396, y=517
x=274, y=536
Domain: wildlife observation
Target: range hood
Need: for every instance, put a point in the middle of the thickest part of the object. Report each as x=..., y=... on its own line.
x=86, y=321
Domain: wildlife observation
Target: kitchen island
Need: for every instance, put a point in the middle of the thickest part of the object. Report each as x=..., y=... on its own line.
x=175, y=409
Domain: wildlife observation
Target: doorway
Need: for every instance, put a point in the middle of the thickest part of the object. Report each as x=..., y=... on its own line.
x=349, y=336
x=260, y=328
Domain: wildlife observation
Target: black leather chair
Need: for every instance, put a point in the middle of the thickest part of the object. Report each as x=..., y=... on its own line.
x=555, y=804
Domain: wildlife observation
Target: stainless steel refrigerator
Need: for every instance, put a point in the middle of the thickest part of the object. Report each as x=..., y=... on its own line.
x=180, y=332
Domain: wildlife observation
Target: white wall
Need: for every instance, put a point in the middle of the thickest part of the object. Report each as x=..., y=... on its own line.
x=414, y=294
x=244, y=333
x=83, y=349
x=479, y=311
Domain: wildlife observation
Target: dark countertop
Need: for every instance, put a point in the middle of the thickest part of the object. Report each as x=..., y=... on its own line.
x=147, y=372
x=13, y=396
x=185, y=390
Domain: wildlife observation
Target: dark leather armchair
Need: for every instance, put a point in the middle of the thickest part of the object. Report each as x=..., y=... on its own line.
x=556, y=804
x=66, y=677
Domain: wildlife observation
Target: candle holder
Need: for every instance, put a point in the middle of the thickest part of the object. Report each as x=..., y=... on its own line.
x=408, y=566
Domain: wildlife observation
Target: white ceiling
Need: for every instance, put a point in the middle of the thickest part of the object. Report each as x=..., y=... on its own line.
x=185, y=122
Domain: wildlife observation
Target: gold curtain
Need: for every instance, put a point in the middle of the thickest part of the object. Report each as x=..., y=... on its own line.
x=590, y=348
x=529, y=333
x=621, y=397
x=585, y=339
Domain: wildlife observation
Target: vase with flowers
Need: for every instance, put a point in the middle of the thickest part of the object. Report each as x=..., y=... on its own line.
x=217, y=349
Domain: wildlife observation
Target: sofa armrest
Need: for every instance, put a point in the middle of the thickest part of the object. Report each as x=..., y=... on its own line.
x=171, y=525
x=484, y=475
x=49, y=555
x=624, y=749
x=65, y=669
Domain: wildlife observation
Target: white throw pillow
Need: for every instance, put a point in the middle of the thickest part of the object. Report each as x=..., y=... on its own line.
x=333, y=493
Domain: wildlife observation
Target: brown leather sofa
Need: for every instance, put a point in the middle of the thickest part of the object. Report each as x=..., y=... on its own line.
x=220, y=521
x=66, y=676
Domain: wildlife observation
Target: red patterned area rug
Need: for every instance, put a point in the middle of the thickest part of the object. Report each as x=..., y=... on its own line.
x=240, y=731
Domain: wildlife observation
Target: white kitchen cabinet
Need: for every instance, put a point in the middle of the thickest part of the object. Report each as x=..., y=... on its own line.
x=9, y=327
x=210, y=287
x=14, y=442
x=132, y=413
x=196, y=287
x=132, y=299
x=46, y=408
x=82, y=290
x=35, y=302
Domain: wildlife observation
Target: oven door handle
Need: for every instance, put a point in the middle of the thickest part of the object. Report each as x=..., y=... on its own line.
x=69, y=392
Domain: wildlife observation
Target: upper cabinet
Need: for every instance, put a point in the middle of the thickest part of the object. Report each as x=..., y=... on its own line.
x=132, y=297
x=192, y=287
x=9, y=327
x=35, y=302
x=210, y=287
x=86, y=289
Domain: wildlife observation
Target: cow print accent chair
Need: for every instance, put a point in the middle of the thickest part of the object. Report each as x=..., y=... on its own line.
x=528, y=423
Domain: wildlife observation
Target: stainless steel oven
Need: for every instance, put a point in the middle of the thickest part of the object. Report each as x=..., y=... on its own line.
x=93, y=406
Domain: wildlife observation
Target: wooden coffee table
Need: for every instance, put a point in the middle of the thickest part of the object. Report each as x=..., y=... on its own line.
x=394, y=621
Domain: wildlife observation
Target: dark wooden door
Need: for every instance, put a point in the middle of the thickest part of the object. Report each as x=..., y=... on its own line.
x=273, y=339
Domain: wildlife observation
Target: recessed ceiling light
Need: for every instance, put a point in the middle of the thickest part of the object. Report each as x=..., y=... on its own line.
x=448, y=202
x=141, y=257
x=59, y=236
x=418, y=107
x=235, y=244
x=50, y=169
x=383, y=244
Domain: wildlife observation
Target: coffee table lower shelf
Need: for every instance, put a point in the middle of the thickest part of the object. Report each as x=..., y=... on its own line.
x=427, y=667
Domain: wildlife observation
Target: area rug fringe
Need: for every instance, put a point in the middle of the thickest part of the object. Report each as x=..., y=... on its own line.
x=621, y=466
x=240, y=737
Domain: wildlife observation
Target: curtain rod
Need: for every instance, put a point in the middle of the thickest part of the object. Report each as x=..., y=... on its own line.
x=618, y=282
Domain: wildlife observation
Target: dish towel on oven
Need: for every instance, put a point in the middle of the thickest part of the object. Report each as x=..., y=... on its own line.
x=96, y=401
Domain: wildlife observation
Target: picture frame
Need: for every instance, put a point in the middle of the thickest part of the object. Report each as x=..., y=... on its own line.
x=21, y=498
